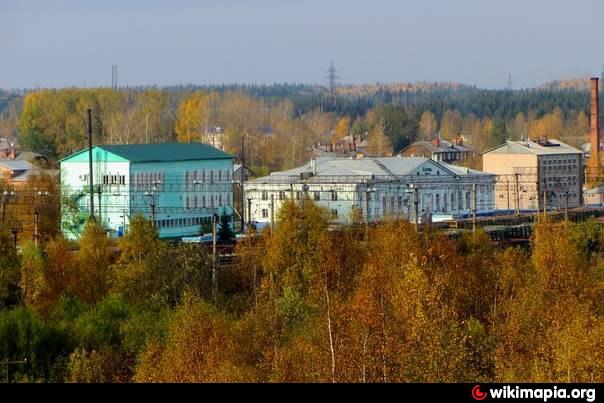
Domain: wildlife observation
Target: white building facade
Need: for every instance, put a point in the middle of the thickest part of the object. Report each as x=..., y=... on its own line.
x=374, y=189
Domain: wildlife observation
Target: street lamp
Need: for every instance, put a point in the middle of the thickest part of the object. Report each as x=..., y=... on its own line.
x=368, y=190
x=415, y=191
x=151, y=195
x=40, y=193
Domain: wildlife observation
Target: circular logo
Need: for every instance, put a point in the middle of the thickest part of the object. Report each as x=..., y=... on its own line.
x=478, y=394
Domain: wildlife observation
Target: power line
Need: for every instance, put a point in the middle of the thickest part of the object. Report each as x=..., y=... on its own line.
x=332, y=78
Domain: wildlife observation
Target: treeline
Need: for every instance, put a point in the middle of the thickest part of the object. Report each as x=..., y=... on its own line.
x=275, y=126
x=305, y=304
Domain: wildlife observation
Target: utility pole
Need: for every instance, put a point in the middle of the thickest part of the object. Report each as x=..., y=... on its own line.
x=517, y=196
x=566, y=206
x=90, y=173
x=99, y=191
x=214, y=277
x=249, y=212
x=508, y=187
x=36, y=221
x=242, y=181
x=416, y=208
x=474, y=207
x=367, y=193
x=545, y=206
x=153, y=210
x=272, y=213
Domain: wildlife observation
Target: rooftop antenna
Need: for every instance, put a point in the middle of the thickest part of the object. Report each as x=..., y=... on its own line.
x=509, y=81
x=332, y=78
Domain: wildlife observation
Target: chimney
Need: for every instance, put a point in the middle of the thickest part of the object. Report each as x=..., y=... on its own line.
x=594, y=136
x=313, y=166
x=436, y=141
x=12, y=151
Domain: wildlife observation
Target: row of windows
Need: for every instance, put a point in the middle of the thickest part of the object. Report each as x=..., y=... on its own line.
x=182, y=222
x=200, y=201
x=147, y=179
x=333, y=195
x=201, y=176
x=113, y=179
x=560, y=168
x=568, y=160
x=158, y=178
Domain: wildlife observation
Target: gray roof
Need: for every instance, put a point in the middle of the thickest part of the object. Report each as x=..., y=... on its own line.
x=552, y=147
x=378, y=167
x=16, y=165
x=445, y=147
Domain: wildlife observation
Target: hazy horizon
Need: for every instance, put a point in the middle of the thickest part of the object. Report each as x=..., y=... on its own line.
x=69, y=43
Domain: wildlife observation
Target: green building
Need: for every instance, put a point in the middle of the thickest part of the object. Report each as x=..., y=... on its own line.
x=178, y=186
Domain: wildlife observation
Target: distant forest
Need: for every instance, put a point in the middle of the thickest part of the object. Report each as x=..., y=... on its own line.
x=281, y=122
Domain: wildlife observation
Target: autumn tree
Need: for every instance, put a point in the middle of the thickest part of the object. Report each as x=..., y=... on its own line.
x=427, y=125
x=93, y=264
x=191, y=118
x=341, y=130
x=378, y=144
x=450, y=124
x=200, y=347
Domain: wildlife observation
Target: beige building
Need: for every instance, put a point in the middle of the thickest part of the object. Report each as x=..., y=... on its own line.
x=530, y=173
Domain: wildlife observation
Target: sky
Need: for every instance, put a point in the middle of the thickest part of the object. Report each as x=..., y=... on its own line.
x=64, y=43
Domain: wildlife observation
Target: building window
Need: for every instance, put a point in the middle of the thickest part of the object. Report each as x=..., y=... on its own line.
x=188, y=206
x=298, y=195
x=264, y=195
x=264, y=213
x=219, y=175
x=468, y=200
x=437, y=202
x=203, y=201
x=317, y=196
x=281, y=195
x=195, y=201
x=220, y=200
x=334, y=195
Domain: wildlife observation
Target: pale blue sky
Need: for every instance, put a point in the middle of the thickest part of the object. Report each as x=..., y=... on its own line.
x=56, y=43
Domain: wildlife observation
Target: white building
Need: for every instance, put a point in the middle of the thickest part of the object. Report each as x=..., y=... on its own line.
x=374, y=188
